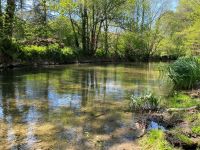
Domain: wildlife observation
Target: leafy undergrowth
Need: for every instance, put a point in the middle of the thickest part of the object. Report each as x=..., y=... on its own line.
x=155, y=140
x=47, y=53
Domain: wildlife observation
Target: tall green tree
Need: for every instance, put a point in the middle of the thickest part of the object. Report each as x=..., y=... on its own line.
x=9, y=18
x=1, y=17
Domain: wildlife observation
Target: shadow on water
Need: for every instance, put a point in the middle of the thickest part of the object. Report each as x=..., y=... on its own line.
x=73, y=107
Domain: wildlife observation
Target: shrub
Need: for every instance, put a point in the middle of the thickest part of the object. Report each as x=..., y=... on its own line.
x=135, y=47
x=53, y=52
x=185, y=72
x=47, y=53
x=100, y=53
x=33, y=52
x=146, y=102
x=68, y=53
x=10, y=49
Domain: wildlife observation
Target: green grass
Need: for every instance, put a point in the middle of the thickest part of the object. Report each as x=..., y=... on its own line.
x=180, y=100
x=196, y=130
x=155, y=140
x=185, y=72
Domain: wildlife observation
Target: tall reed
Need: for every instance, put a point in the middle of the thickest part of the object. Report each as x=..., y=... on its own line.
x=185, y=72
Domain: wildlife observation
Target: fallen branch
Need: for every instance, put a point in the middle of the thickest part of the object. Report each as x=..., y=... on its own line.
x=181, y=109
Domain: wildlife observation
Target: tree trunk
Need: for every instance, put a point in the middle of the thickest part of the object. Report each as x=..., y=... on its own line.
x=74, y=31
x=87, y=34
x=137, y=16
x=106, y=33
x=97, y=37
x=9, y=18
x=1, y=17
x=84, y=30
x=143, y=15
x=45, y=18
x=93, y=32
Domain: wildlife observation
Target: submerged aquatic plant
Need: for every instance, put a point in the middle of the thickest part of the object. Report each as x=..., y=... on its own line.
x=146, y=102
x=185, y=72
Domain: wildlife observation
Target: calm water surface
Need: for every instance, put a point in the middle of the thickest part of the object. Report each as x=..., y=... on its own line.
x=73, y=106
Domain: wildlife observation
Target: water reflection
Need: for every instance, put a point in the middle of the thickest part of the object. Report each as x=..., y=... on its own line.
x=48, y=107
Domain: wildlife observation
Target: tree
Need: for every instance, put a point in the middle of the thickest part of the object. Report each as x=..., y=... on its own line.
x=180, y=29
x=1, y=18
x=9, y=18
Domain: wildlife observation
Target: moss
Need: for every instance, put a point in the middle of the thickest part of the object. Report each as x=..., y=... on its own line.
x=196, y=130
x=194, y=117
x=155, y=140
x=184, y=139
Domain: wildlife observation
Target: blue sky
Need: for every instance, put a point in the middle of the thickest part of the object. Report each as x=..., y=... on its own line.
x=174, y=4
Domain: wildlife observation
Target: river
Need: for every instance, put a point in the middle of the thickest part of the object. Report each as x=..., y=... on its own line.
x=73, y=106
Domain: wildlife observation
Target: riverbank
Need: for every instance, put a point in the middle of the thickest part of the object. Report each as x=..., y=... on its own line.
x=95, y=60
x=173, y=128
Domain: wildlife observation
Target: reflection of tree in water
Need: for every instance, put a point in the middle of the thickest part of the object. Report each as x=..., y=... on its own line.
x=88, y=85
x=92, y=87
x=11, y=90
x=12, y=113
x=20, y=105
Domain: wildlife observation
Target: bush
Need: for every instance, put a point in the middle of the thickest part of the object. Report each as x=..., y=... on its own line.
x=100, y=53
x=10, y=49
x=68, y=53
x=143, y=103
x=47, y=53
x=135, y=47
x=185, y=72
x=31, y=53
x=53, y=53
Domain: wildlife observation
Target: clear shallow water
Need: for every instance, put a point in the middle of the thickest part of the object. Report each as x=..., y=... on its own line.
x=73, y=106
